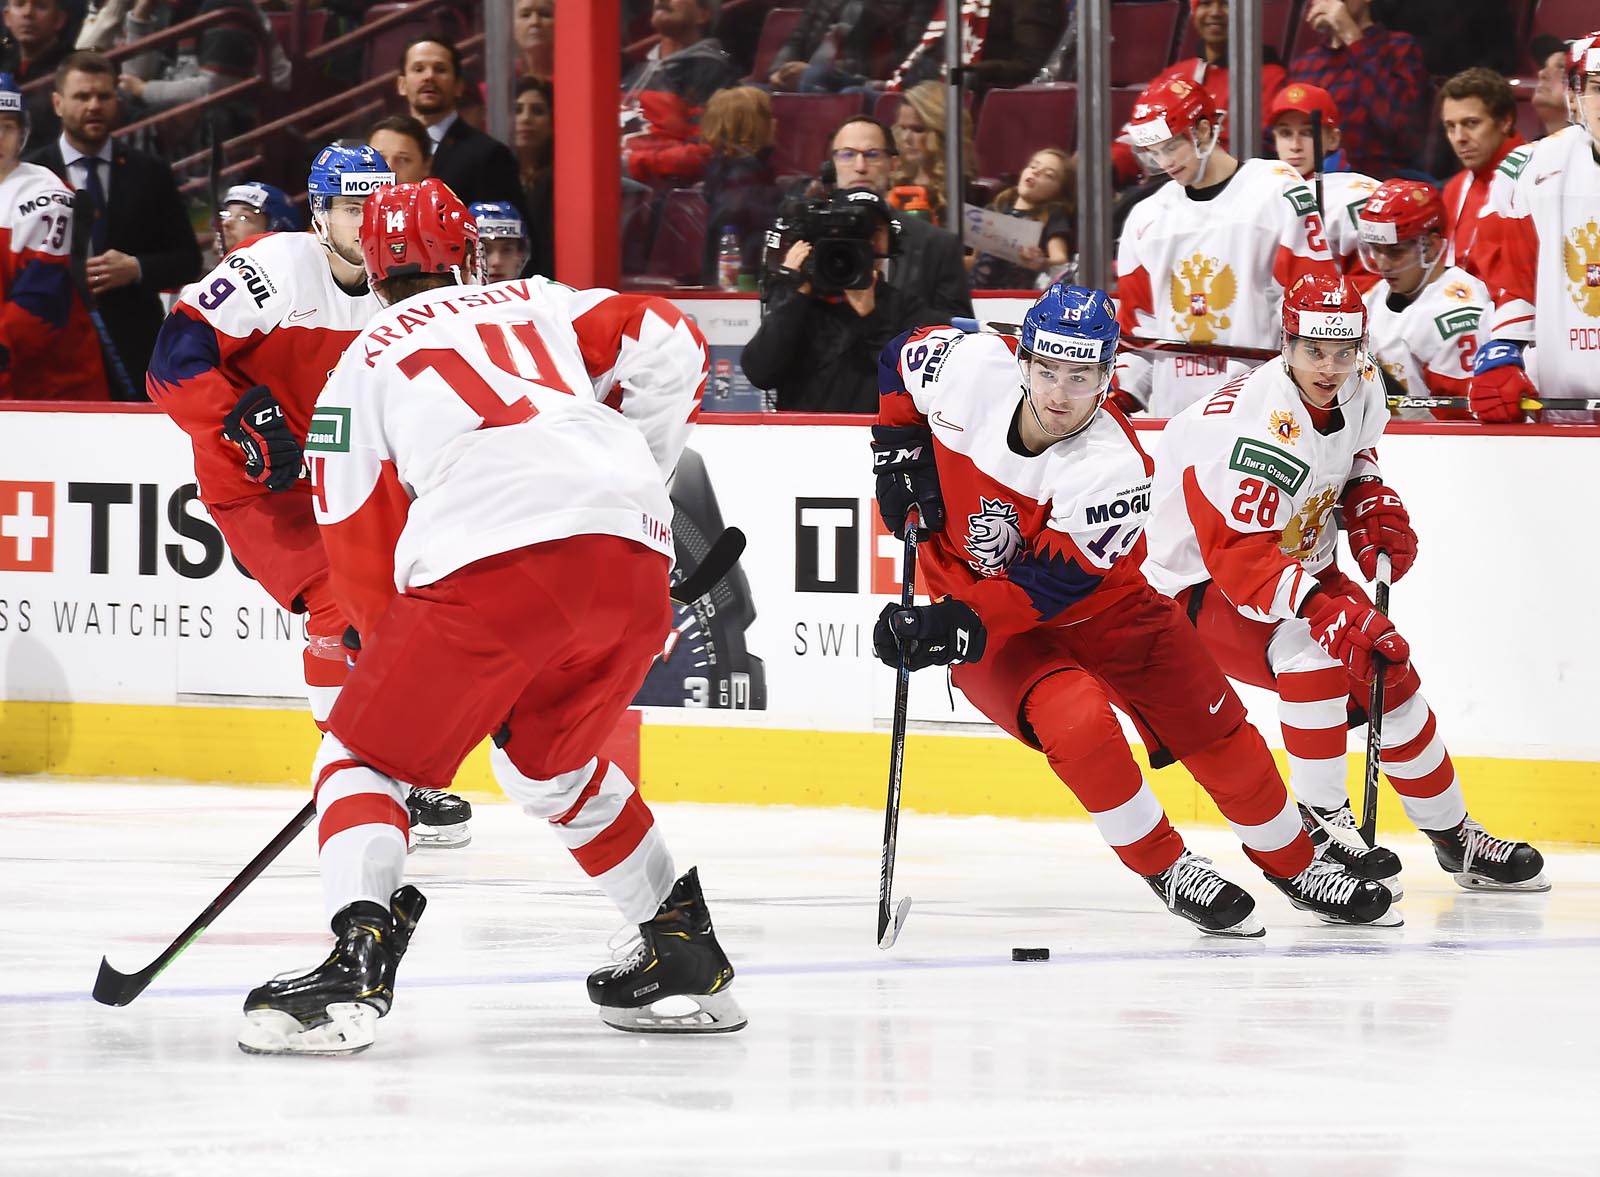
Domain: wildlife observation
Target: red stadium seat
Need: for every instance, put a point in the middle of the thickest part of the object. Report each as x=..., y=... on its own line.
x=804, y=128
x=1013, y=124
x=679, y=247
x=313, y=30
x=1141, y=40
x=1123, y=100
x=1567, y=19
x=775, y=31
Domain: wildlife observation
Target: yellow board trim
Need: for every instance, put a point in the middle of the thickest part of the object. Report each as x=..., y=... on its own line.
x=1542, y=800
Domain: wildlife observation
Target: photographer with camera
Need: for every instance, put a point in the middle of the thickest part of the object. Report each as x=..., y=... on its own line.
x=827, y=310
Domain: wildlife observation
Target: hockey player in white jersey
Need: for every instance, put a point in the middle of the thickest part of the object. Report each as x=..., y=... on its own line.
x=1242, y=534
x=490, y=468
x=1343, y=193
x=1036, y=501
x=1539, y=246
x=1423, y=316
x=1206, y=259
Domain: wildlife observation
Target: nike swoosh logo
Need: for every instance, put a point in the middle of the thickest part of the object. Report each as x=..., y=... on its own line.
x=1217, y=706
x=303, y=314
x=1537, y=180
x=938, y=419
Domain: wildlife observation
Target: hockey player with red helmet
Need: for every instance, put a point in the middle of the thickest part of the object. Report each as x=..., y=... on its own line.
x=1206, y=259
x=1242, y=534
x=1423, y=317
x=1539, y=246
x=490, y=469
x=1036, y=504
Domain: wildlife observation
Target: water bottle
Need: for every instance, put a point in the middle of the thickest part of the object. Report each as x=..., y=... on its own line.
x=728, y=259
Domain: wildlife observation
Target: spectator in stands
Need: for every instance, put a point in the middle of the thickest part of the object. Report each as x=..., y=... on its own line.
x=1479, y=112
x=1550, y=87
x=142, y=242
x=36, y=31
x=741, y=189
x=476, y=167
x=102, y=25
x=1044, y=193
x=1209, y=71
x=1377, y=78
x=226, y=53
x=405, y=146
x=534, y=129
x=926, y=101
x=845, y=44
x=1016, y=42
x=533, y=25
x=930, y=260
x=687, y=62
x=820, y=351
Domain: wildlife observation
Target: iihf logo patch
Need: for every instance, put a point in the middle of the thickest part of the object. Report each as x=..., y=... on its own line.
x=993, y=537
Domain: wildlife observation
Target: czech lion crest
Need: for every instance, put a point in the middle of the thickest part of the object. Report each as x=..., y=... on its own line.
x=993, y=537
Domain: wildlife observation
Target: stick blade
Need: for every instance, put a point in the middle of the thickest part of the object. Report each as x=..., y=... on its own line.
x=114, y=988
x=889, y=930
x=719, y=561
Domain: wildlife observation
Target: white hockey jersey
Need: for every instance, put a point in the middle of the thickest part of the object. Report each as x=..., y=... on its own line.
x=1212, y=271
x=1246, y=485
x=1344, y=195
x=1427, y=344
x=1539, y=245
x=1030, y=539
x=468, y=421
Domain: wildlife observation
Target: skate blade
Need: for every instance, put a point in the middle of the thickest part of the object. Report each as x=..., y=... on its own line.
x=439, y=837
x=1248, y=928
x=351, y=1028
x=1474, y=882
x=1392, y=885
x=694, y=1013
x=1389, y=919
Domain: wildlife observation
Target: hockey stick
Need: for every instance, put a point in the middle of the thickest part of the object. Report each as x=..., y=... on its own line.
x=1529, y=404
x=114, y=988
x=77, y=269
x=719, y=561
x=890, y=922
x=1316, y=176
x=214, y=182
x=1369, y=790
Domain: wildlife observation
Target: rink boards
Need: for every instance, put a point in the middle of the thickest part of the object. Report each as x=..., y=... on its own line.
x=132, y=645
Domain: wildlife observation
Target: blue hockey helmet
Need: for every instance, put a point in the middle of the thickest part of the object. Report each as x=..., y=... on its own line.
x=1074, y=332
x=12, y=102
x=498, y=219
x=346, y=171
x=273, y=203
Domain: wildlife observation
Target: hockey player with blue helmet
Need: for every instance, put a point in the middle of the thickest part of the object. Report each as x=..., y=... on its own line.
x=253, y=207
x=503, y=239
x=341, y=180
x=1033, y=508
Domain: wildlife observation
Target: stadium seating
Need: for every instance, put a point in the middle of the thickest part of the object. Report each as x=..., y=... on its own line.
x=1141, y=39
x=804, y=127
x=1013, y=124
x=775, y=31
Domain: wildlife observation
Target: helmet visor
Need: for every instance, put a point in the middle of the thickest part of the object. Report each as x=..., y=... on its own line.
x=1395, y=262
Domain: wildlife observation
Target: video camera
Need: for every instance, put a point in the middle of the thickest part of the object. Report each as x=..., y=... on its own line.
x=840, y=229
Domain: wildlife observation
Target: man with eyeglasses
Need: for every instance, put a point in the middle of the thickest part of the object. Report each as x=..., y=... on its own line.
x=930, y=263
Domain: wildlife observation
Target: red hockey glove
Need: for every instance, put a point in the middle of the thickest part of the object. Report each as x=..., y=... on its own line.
x=1354, y=632
x=257, y=426
x=1375, y=519
x=1498, y=383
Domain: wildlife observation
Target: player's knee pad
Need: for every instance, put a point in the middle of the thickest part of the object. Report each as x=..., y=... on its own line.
x=542, y=797
x=1292, y=649
x=1071, y=717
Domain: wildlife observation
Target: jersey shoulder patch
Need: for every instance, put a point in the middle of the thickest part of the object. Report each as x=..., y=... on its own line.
x=1257, y=458
x=329, y=432
x=1458, y=319
x=1511, y=166
x=1301, y=199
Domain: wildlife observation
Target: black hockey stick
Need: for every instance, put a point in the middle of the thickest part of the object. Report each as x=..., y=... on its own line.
x=77, y=269
x=1530, y=404
x=719, y=561
x=214, y=182
x=114, y=988
x=891, y=920
x=1316, y=177
x=1369, y=790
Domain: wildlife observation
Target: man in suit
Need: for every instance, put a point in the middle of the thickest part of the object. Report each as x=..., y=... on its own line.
x=930, y=260
x=141, y=242
x=476, y=166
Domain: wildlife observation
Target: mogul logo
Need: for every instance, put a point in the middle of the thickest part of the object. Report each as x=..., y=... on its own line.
x=1580, y=253
x=1202, y=288
x=364, y=183
x=27, y=526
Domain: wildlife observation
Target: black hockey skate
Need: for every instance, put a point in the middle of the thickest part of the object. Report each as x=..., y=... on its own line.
x=334, y=1009
x=675, y=979
x=1190, y=888
x=1334, y=834
x=1335, y=896
x=438, y=819
x=1479, y=861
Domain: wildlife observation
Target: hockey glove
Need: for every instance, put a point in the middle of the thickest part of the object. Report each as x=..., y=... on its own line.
x=1354, y=632
x=257, y=426
x=1498, y=383
x=902, y=456
x=939, y=634
x=1376, y=520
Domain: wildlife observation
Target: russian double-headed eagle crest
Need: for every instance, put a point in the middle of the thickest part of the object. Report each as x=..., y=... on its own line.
x=1580, y=253
x=1300, y=537
x=1284, y=427
x=1202, y=288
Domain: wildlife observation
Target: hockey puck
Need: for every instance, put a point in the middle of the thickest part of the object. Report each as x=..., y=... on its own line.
x=1030, y=954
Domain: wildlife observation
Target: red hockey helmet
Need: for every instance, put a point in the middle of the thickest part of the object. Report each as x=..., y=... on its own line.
x=1168, y=109
x=418, y=229
x=1324, y=307
x=1400, y=213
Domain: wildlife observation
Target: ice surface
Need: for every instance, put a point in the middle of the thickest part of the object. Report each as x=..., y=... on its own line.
x=1464, y=1043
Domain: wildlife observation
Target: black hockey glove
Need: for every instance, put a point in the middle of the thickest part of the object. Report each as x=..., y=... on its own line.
x=902, y=457
x=257, y=426
x=939, y=634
